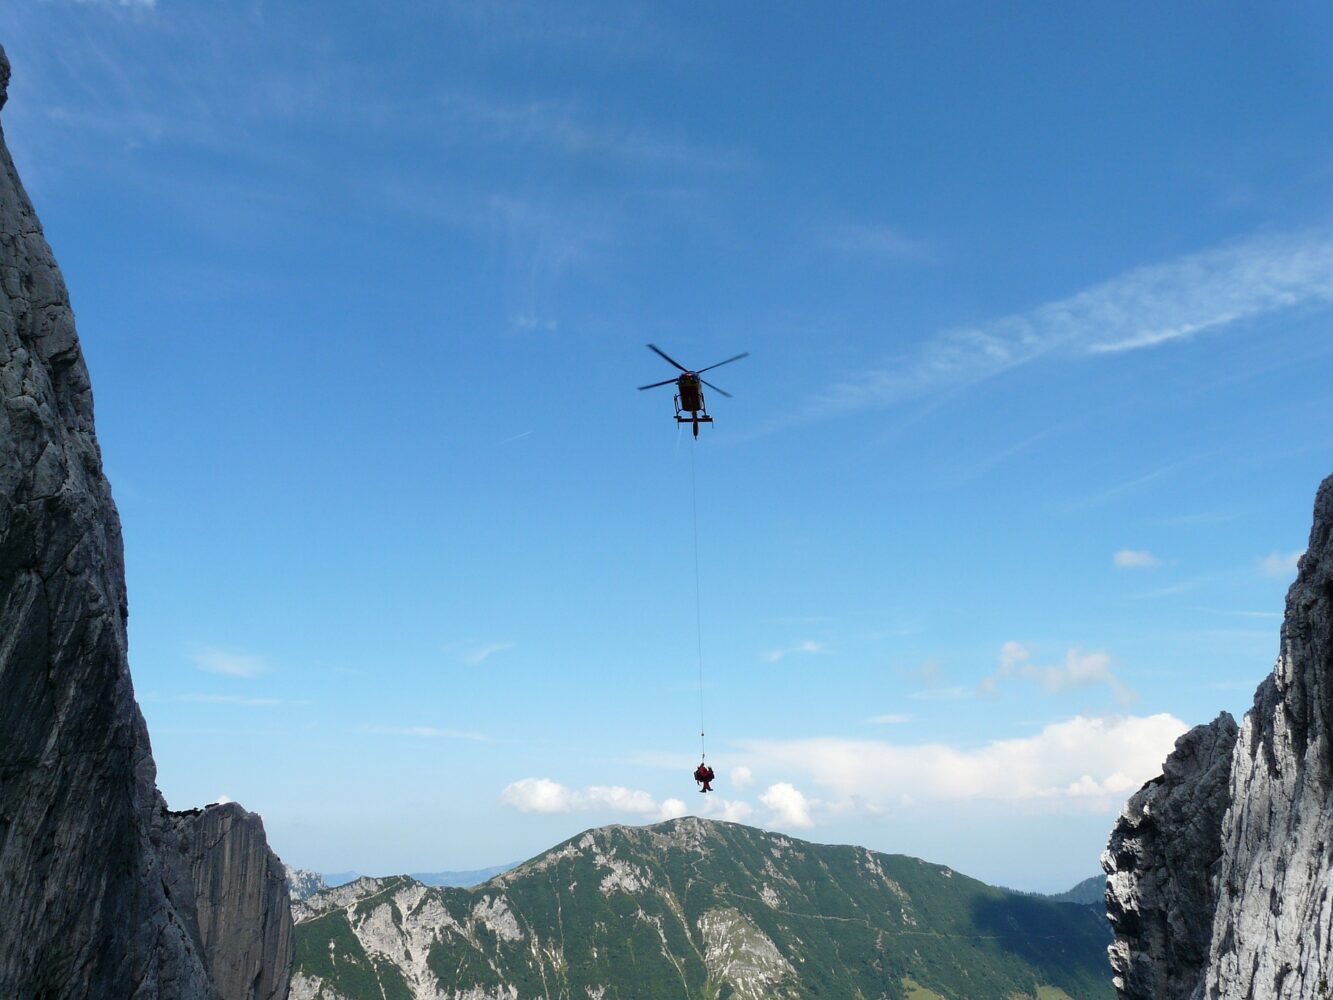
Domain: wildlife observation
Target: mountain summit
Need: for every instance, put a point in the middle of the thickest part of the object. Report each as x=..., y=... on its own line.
x=695, y=908
x=1220, y=869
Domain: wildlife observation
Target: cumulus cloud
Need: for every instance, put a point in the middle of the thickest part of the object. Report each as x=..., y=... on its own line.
x=731, y=810
x=223, y=661
x=789, y=807
x=1135, y=559
x=1083, y=762
x=542, y=795
x=741, y=777
x=807, y=646
x=1080, y=670
x=672, y=809
x=1280, y=565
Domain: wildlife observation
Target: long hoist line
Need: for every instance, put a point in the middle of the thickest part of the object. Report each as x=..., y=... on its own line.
x=691, y=409
x=698, y=600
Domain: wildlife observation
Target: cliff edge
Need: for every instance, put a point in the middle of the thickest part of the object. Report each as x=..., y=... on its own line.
x=1220, y=873
x=104, y=893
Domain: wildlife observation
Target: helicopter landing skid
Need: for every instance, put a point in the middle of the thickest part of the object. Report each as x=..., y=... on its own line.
x=693, y=420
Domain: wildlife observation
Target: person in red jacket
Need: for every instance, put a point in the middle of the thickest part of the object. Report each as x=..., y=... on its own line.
x=704, y=774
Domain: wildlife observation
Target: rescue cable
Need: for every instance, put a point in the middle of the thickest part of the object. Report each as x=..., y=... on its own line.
x=698, y=602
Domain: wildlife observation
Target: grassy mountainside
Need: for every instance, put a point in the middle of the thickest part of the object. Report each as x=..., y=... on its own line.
x=1089, y=892
x=699, y=909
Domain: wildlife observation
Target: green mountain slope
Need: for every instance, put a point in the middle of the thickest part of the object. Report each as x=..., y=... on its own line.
x=1089, y=892
x=698, y=909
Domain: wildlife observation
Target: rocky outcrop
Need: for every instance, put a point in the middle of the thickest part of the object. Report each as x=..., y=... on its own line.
x=1242, y=908
x=241, y=901
x=103, y=892
x=302, y=884
x=1162, y=863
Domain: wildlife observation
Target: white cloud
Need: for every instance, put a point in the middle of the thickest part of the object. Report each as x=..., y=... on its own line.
x=560, y=125
x=1280, y=565
x=672, y=809
x=1144, y=307
x=730, y=810
x=542, y=795
x=429, y=732
x=478, y=656
x=1135, y=559
x=953, y=693
x=144, y=4
x=222, y=661
x=806, y=646
x=741, y=778
x=1083, y=762
x=1080, y=670
x=230, y=699
x=222, y=800
x=789, y=807
x=880, y=241
x=892, y=719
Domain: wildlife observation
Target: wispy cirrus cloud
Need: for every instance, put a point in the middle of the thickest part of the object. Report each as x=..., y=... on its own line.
x=875, y=241
x=1135, y=559
x=226, y=699
x=562, y=126
x=483, y=653
x=474, y=652
x=128, y=4
x=806, y=646
x=428, y=732
x=229, y=662
x=1145, y=307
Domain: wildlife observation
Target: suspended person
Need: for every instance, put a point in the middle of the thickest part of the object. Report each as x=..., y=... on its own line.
x=704, y=774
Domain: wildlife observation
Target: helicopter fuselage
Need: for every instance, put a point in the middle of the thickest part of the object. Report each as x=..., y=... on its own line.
x=689, y=389
x=689, y=395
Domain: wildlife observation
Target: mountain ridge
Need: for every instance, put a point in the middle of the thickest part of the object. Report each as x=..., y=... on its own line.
x=696, y=908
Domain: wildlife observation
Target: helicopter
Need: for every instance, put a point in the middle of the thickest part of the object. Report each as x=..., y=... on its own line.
x=689, y=397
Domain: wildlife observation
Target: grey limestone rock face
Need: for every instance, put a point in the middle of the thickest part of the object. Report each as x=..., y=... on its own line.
x=98, y=882
x=1256, y=889
x=1271, y=932
x=1161, y=863
x=302, y=884
x=241, y=900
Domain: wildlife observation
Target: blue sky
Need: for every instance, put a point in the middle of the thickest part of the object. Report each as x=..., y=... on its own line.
x=1009, y=494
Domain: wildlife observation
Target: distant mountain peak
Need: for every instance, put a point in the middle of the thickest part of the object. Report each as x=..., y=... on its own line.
x=696, y=908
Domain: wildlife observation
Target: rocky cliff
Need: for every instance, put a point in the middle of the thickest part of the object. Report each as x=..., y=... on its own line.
x=1221, y=871
x=103, y=892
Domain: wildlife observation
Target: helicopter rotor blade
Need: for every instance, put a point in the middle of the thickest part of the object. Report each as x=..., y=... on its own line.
x=744, y=354
x=715, y=388
x=670, y=381
x=666, y=357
